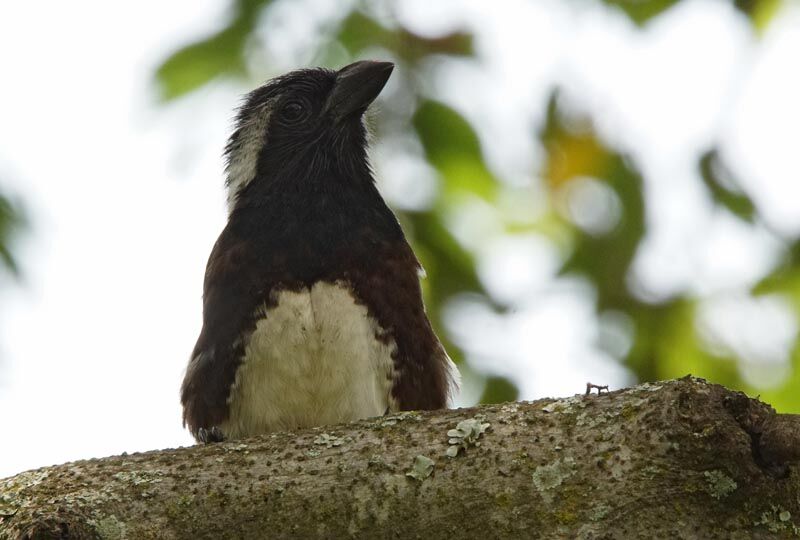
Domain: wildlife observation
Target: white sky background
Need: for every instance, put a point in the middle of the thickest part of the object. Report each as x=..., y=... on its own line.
x=126, y=200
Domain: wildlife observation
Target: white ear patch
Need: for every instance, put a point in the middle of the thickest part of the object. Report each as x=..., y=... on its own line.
x=243, y=153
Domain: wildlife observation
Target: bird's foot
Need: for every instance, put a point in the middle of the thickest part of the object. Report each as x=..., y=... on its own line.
x=210, y=435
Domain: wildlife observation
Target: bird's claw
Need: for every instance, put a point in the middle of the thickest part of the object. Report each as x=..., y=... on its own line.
x=210, y=435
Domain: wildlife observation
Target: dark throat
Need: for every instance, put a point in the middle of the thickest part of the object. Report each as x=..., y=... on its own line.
x=314, y=215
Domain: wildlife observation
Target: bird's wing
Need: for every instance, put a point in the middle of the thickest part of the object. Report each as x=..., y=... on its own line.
x=425, y=377
x=230, y=296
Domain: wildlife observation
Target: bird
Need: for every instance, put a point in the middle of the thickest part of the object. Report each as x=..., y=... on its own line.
x=312, y=307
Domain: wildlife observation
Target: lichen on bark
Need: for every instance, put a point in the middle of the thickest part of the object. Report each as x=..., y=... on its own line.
x=675, y=459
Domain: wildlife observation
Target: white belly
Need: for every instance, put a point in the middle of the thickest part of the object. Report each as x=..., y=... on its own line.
x=312, y=360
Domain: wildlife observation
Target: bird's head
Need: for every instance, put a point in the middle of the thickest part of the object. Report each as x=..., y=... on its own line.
x=301, y=128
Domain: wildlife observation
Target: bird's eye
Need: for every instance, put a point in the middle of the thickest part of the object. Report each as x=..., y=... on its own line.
x=292, y=111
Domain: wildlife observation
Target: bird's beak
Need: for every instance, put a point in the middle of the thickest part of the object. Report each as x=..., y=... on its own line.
x=357, y=85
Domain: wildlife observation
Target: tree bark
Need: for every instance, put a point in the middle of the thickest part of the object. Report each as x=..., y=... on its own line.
x=674, y=459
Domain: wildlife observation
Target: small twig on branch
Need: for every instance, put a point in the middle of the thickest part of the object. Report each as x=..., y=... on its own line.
x=590, y=387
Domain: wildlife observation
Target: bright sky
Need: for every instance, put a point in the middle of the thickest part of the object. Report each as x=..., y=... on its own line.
x=126, y=200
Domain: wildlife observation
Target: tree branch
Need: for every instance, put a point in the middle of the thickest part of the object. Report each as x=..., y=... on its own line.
x=677, y=459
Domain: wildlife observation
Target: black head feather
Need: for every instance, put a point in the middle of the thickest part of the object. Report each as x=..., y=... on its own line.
x=299, y=127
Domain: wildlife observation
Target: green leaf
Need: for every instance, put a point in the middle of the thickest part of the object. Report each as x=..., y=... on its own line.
x=199, y=63
x=499, y=390
x=452, y=146
x=221, y=54
x=445, y=134
x=641, y=11
x=760, y=12
x=12, y=222
x=359, y=32
x=723, y=187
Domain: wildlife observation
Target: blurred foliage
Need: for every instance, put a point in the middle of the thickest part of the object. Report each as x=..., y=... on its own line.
x=359, y=32
x=499, y=390
x=222, y=53
x=575, y=152
x=665, y=340
x=760, y=12
x=723, y=188
x=453, y=148
x=640, y=12
x=11, y=222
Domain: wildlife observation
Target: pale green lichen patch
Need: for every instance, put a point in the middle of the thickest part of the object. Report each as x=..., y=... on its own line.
x=778, y=519
x=8, y=505
x=510, y=408
x=24, y=480
x=392, y=419
x=84, y=498
x=650, y=471
x=565, y=405
x=551, y=407
x=594, y=418
x=466, y=434
x=649, y=387
x=109, y=528
x=548, y=477
x=421, y=468
x=719, y=485
x=329, y=441
x=138, y=478
x=237, y=448
x=599, y=511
